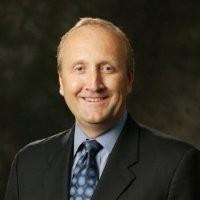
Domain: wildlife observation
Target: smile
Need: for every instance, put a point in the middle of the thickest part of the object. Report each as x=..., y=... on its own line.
x=94, y=99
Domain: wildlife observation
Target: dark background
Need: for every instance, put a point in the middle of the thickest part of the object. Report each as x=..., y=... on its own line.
x=166, y=39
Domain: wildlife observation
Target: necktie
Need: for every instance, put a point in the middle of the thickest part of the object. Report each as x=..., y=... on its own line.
x=85, y=175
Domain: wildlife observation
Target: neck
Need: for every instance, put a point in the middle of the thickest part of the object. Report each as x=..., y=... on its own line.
x=93, y=130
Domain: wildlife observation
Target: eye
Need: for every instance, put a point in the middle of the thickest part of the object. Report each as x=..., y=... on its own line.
x=79, y=68
x=107, y=68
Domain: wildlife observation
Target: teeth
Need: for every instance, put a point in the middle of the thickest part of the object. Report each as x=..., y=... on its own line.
x=96, y=99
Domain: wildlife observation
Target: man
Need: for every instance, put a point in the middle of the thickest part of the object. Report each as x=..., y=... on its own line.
x=106, y=155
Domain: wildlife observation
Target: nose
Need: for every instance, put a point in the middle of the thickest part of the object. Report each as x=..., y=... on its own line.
x=95, y=81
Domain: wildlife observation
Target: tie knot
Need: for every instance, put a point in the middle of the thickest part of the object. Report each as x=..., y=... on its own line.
x=92, y=147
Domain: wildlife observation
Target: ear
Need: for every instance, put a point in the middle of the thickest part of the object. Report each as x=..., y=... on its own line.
x=130, y=82
x=61, y=89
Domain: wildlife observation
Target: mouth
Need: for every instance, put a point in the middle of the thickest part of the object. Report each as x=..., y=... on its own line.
x=94, y=99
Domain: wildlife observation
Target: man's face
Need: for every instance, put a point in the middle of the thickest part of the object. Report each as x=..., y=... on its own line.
x=93, y=78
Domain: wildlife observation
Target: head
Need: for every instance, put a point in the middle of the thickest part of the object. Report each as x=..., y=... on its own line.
x=130, y=63
x=96, y=69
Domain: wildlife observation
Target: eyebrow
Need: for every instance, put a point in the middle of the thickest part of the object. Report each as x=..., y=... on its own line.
x=79, y=62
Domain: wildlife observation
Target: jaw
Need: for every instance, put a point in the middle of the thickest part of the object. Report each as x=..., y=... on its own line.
x=97, y=119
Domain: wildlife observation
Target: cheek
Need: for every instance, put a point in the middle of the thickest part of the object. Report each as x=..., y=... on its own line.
x=72, y=85
x=118, y=85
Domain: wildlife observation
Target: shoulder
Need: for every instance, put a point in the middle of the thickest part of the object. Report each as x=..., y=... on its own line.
x=156, y=144
x=41, y=149
x=163, y=147
x=154, y=136
x=163, y=156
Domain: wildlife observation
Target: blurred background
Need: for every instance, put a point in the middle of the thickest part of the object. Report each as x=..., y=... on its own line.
x=166, y=39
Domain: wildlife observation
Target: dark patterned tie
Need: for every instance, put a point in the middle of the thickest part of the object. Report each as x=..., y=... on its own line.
x=85, y=174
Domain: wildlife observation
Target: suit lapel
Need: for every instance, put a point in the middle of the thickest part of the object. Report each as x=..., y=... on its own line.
x=58, y=170
x=117, y=175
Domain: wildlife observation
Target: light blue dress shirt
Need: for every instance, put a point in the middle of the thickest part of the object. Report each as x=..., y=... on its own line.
x=107, y=140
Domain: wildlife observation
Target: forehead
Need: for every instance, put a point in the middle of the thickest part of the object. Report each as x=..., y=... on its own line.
x=93, y=34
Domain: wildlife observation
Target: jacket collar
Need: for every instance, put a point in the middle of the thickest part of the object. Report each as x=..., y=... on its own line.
x=57, y=175
x=117, y=175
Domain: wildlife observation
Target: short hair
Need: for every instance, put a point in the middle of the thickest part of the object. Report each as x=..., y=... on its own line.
x=107, y=25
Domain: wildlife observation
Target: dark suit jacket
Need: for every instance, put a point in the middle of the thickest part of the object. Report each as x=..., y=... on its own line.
x=144, y=165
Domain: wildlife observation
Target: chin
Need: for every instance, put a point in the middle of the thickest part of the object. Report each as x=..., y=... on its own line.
x=97, y=119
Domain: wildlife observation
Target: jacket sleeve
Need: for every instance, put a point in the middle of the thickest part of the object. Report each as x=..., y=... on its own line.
x=185, y=184
x=12, y=191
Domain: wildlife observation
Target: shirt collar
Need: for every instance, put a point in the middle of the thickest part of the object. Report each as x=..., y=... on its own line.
x=107, y=139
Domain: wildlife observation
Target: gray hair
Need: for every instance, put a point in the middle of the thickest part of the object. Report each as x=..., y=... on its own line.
x=105, y=24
